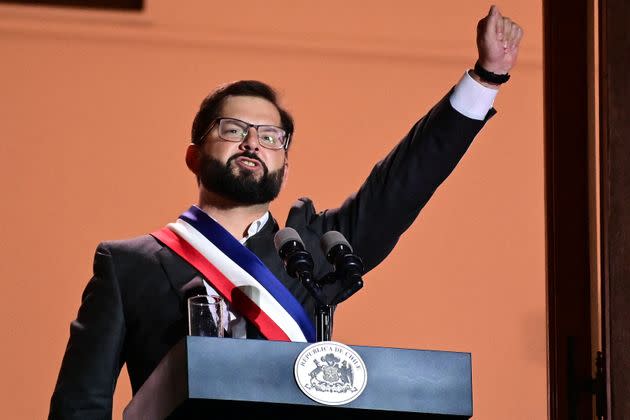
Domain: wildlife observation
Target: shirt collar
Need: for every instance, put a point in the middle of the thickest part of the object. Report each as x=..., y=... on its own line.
x=253, y=229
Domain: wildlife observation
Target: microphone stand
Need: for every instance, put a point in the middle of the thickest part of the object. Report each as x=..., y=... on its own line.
x=324, y=322
x=330, y=290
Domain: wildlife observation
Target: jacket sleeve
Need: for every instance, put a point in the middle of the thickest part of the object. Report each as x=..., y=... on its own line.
x=92, y=360
x=398, y=187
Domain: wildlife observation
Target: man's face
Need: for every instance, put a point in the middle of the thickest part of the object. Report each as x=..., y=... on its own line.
x=244, y=172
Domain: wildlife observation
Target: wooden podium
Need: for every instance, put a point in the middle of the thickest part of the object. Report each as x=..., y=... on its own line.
x=204, y=377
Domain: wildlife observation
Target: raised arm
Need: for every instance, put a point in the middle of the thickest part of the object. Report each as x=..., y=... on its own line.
x=401, y=184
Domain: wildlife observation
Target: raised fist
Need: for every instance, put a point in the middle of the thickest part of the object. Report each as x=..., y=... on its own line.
x=498, y=39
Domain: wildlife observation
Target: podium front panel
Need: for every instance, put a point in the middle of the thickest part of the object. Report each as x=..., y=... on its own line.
x=205, y=372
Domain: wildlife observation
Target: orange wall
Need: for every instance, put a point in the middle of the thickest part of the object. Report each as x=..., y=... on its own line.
x=95, y=113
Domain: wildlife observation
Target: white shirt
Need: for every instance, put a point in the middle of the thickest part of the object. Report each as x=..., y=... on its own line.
x=469, y=98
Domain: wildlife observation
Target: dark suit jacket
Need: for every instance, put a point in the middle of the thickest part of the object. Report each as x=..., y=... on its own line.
x=133, y=309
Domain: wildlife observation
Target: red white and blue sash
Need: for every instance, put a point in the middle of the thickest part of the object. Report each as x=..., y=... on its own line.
x=238, y=275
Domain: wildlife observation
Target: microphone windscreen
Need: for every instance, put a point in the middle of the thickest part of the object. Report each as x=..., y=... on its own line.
x=331, y=239
x=285, y=235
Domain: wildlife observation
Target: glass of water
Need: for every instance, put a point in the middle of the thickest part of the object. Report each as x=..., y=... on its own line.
x=208, y=316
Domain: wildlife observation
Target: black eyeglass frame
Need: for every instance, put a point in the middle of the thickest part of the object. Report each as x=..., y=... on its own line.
x=218, y=120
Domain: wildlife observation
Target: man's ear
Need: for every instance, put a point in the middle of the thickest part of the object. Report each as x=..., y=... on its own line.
x=285, y=176
x=193, y=158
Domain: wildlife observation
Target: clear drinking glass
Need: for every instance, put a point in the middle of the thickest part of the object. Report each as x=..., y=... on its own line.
x=208, y=316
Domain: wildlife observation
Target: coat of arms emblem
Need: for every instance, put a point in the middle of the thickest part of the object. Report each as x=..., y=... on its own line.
x=330, y=373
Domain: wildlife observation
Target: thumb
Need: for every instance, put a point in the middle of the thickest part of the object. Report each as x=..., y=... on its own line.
x=494, y=20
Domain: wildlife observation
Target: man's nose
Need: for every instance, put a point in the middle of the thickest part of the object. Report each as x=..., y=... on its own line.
x=250, y=142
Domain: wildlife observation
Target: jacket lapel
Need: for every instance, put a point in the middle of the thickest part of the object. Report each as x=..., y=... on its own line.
x=185, y=280
x=262, y=245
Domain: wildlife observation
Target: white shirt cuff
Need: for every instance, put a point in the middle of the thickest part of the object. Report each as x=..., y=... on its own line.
x=472, y=99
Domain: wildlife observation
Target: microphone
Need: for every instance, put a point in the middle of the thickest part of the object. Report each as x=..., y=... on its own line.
x=297, y=261
x=348, y=267
x=339, y=253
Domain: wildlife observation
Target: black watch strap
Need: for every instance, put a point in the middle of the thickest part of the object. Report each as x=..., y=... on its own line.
x=488, y=76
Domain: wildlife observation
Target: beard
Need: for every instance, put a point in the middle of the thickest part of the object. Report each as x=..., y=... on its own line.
x=242, y=187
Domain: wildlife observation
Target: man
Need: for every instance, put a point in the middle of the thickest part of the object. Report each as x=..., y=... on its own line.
x=134, y=308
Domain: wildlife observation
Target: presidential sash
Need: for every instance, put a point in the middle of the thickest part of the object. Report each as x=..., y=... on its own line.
x=238, y=275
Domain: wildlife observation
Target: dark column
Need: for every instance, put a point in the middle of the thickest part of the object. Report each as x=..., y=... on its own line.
x=566, y=106
x=615, y=200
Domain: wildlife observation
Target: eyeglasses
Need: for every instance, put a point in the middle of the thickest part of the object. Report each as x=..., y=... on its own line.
x=269, y=136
